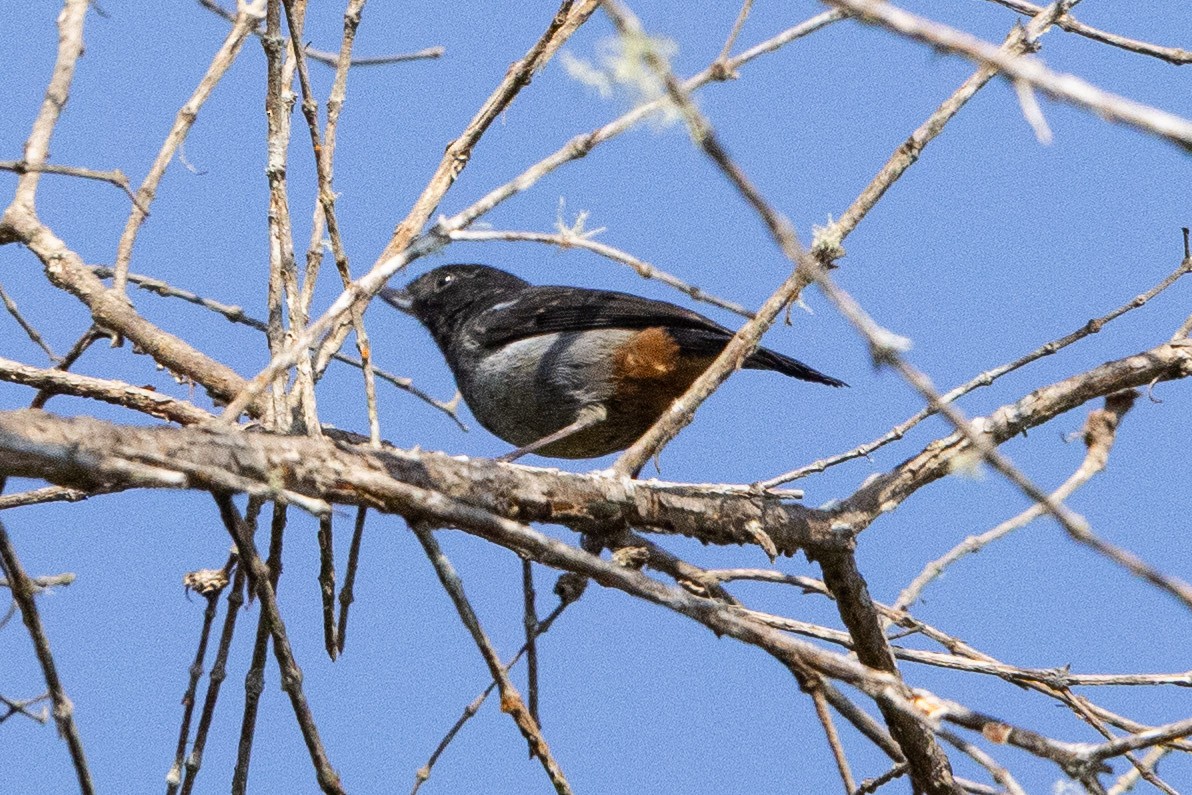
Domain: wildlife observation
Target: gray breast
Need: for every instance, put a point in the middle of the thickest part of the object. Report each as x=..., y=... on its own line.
x=532, y=387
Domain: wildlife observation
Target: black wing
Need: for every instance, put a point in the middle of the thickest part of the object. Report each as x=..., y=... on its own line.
x=549, y=310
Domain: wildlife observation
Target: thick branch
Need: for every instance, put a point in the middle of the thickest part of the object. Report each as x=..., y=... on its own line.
x=886, y=492
x=111, y=310
x=87, y=453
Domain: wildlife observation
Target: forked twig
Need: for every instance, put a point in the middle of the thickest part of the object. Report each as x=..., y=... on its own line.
x=511, y=700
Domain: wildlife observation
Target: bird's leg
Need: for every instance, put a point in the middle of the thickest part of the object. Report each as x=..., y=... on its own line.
x=586, y=418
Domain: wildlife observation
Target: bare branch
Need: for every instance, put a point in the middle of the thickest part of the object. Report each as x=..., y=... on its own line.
x=1062, y=87
x=146, y=401
x=999, y=773
x=332, y=58
x=219, y=671
x=236, y=314
x=254, y=680
x=22, y=593
x=110, y=310
x=347, y=590
x=984, y=379
x=32, y=333
x=748, y=337
x=246, y=18
x=567, y=19
x=115, y=177
x=1173, y=55
x=210, y=583
x=825, y=719
x=1100, y=430
x=37, y=145
x=511, y=700
x=886, y=352
x=569, y=588
x=291, y=675
x=42, y=495
x=324, y=157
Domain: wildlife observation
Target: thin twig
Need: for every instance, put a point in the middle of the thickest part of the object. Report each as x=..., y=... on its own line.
x=984, y=379
x=44, y=583
x=1084, y=711
x=567, y=595
x=291, y=675
x=1100, y=430
x=22, y=594
x=236, y=314
x=146, y=401
x=246, y=18
x=962, y=657
x=722, y=59
x=219, y=668
x=347, y=590
x=332, y=58
x=28, y=327
x=1127, y=780
x=872, y=785
x=1179, y=588
x=1186, y=327
x=530, y=621
x=511, y=700
x=1052, y=682
x=85, y=341
x=1017, y=42
x=43, y=495
x=1133, y=742
x=825, y=719
x=1065, y=21
x=22, y=707
x=254, y=680
x=210, y=588
x=282, y=61
x=327, y=584
x=115, y=177
x=1072, y=757
x=1063, y=87
x=570, y=15
x=37, y=145
x=999, y=773
x=324, y=154
x=884, y=350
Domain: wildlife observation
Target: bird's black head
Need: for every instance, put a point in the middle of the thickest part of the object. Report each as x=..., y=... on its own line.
x=448, y=297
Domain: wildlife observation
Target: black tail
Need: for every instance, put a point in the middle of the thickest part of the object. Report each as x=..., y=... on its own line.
x=710, y=342
x=766, y=359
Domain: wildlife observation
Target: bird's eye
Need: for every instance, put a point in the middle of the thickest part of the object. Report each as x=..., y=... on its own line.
x=444, y=280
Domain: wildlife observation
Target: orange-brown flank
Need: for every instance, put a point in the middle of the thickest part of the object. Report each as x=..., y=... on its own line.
x=649, y=372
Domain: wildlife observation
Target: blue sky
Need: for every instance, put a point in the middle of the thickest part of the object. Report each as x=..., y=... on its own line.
x=991, y=245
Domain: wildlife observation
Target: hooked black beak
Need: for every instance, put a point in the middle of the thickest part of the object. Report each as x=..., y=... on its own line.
x=400, y=300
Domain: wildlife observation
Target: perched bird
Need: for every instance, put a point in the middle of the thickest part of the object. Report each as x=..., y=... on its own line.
x=567, y=372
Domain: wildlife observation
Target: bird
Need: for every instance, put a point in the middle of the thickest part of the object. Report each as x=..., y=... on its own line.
x=568, y=372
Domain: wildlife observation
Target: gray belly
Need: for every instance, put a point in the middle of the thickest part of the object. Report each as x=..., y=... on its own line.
x=535, y=386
